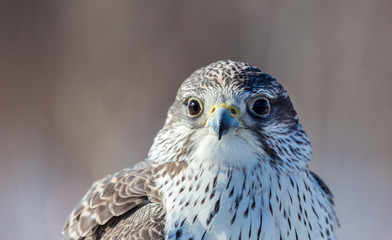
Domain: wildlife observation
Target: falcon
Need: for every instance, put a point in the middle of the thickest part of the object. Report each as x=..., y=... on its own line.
x=231, y=162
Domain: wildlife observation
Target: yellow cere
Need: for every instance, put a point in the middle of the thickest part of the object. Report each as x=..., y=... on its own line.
x=234, y=113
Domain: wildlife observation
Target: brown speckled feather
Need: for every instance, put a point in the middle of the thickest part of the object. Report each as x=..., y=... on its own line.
x=145, y=222
x=120, y=202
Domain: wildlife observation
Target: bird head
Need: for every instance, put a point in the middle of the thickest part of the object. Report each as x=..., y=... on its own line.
x=233, y=114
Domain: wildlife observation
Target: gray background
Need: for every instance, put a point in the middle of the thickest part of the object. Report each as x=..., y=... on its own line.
x=85, y=86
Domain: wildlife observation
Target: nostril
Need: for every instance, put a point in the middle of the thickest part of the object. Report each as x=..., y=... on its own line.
x=233, y=111
x=213, y=110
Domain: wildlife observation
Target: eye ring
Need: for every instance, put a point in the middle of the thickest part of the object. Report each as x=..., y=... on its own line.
x=260, y=107
x=195, y=107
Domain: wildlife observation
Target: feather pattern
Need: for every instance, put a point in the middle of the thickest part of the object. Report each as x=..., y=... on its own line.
x=113, y=196
x=251, y=182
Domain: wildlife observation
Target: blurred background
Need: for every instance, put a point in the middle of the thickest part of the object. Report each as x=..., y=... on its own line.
x=85, y=86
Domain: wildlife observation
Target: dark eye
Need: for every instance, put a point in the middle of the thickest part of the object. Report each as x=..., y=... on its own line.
x=194, y=107
x=260, y=107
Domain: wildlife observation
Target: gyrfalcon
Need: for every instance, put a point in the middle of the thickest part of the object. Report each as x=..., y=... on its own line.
x=231, y=162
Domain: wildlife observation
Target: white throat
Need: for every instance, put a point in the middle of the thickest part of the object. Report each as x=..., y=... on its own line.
x=232, y=151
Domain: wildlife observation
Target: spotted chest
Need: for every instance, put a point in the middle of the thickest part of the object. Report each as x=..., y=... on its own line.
x=211, y=203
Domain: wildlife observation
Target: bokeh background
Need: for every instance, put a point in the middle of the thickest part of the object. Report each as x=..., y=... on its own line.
x=85, y=86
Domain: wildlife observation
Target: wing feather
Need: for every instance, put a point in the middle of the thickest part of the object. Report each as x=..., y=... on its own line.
x=143, y=222
x=323, y=186
x=111, y=197
x=328, y=194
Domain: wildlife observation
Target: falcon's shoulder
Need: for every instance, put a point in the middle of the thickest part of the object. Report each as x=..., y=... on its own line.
x=116, y=204
x=323, y=186
x=326, y=194
x=142, y=222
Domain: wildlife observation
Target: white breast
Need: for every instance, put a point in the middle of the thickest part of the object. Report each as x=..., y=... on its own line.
x=248, y=200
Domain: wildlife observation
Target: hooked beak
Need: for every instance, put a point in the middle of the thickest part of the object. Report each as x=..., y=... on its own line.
x=223, y=119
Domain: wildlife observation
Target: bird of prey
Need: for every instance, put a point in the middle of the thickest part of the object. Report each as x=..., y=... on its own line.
x=231, y=162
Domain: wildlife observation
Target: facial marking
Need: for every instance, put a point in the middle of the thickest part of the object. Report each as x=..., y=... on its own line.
x=252, y=106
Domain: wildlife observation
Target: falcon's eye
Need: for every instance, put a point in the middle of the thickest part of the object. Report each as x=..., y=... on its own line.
x=194, y=107
x=260, y=106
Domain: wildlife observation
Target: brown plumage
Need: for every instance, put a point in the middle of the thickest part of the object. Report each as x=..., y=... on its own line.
x=123, y=204
x=142, y=222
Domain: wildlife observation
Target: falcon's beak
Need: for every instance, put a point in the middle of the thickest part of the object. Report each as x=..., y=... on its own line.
x=223, y=118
